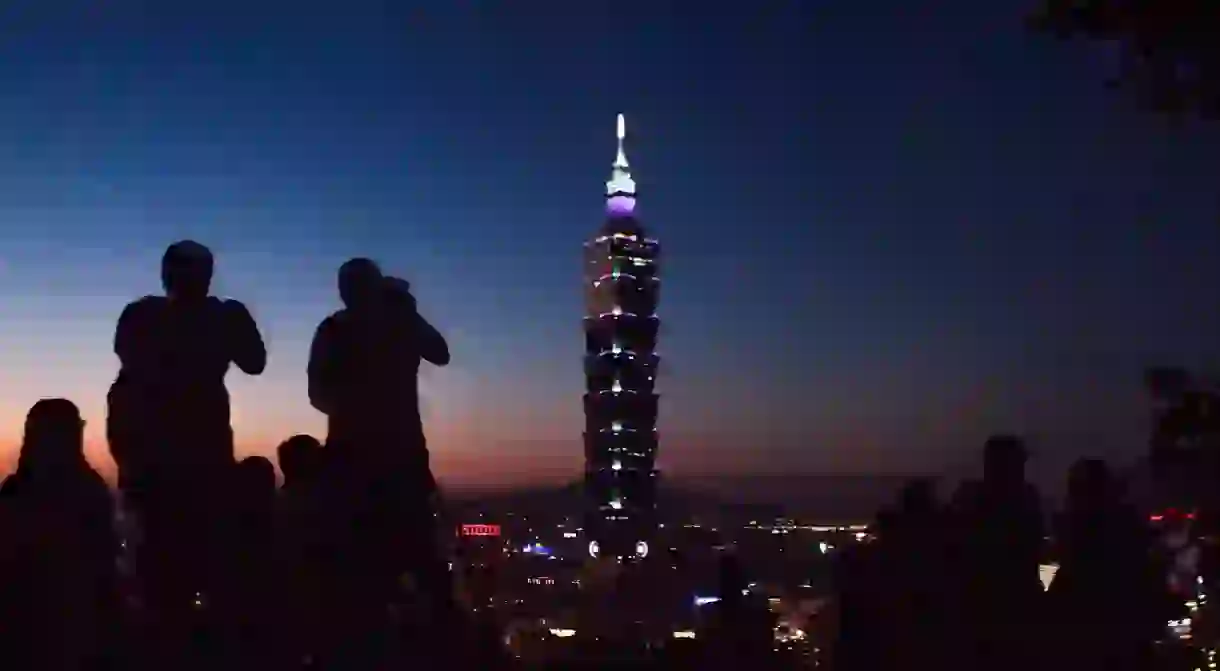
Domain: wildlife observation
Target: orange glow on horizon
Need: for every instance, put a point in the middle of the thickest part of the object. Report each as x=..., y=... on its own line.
x=454, y=463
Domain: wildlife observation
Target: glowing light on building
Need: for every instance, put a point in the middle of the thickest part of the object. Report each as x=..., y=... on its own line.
x=1046, y=574
x=620, y=206
x=480, y=529
x=684, y=633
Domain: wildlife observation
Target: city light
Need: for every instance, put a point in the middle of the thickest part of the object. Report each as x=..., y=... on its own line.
x=480, y=529
x=685, y=633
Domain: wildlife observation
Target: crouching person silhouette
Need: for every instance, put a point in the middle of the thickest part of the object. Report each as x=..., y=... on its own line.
x=170, y=434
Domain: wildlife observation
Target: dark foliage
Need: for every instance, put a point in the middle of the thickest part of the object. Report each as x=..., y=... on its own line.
x=1170, y=57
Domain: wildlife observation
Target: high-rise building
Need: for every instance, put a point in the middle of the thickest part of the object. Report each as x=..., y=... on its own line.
x=621, y=326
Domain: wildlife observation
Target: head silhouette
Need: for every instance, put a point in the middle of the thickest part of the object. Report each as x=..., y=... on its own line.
x=1089, y=483
x=360, y=283
x=54, y=436
x=299, y=458
x=186, y=270
x=1004, y=460
x=918, y=496
x=257, y=473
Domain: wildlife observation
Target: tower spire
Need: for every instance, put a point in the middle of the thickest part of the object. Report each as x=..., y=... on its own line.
x=621, y=183
x=620, y=161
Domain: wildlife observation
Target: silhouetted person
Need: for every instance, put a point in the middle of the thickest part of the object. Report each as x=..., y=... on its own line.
x=999, y=539
x=741, y=629
x=300, y=460
x=60, y=602
x=864, y=621
x=363, y=370
x=169, y=428
x=1106, y=596
x=913, y=554
x=305, y=548
x=255, y=572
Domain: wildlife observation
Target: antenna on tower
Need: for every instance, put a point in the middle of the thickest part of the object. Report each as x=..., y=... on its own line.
x=621, y=160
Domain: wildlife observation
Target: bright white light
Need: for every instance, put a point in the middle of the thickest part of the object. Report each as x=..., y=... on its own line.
x=616, y=387
x=594, y=548
x=622, y=127
x=616, y=504
x=686, y=633
x=704, y=600
x=616, y=466
x=563, y=633
x=616, y=426
x=615, y=349
x=1046, y=573
x=641, y=549
x=616, y=311
x=824, y=547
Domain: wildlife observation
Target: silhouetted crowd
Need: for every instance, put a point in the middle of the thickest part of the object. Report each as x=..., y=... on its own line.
x=956, y=585
x=341, y=567
x=338, y=568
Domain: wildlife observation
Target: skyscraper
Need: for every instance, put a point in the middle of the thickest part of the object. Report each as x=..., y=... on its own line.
x=621, y=326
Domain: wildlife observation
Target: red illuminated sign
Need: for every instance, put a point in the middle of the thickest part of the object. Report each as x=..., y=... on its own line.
x=480, y=529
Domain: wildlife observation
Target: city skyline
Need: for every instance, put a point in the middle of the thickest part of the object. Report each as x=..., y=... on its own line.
x=883, y=246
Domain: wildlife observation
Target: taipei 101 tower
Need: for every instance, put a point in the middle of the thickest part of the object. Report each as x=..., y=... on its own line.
x=622, y=290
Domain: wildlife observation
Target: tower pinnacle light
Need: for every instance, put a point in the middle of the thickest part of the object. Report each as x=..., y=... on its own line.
x=620, y=161
x=620, y=190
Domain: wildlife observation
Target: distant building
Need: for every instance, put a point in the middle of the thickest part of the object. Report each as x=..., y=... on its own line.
x=621, y=325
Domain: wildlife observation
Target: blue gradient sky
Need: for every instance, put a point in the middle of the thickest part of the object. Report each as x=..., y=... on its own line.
x=888, y=231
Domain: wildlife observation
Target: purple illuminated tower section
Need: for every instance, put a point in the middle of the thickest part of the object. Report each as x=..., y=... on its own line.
x=622, y=290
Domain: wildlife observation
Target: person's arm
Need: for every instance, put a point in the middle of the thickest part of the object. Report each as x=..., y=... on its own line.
x=321, y=366
x=432, y=345
x=249, y=352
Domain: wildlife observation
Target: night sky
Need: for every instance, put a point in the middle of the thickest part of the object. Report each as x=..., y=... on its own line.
x=890, y=228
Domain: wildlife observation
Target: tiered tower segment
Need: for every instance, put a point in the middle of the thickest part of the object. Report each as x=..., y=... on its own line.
x=621, y=325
